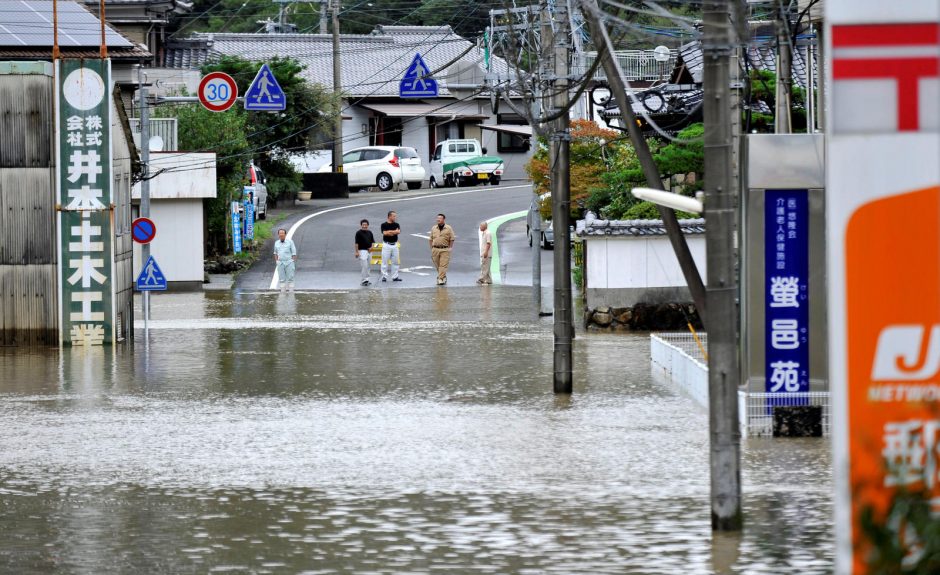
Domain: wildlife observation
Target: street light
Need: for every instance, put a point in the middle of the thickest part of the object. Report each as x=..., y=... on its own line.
x=669, y=200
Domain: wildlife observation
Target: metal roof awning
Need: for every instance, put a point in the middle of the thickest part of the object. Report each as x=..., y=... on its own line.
x=417, y=109
x=514, y=129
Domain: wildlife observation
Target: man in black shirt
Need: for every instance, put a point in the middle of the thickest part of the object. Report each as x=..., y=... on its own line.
x=390, y=231
x=364, y=241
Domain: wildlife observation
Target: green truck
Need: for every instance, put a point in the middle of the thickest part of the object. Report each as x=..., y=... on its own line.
x=464, y=163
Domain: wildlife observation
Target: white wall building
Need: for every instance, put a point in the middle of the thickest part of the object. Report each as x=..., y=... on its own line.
x=631, y=261
x=372, y=66
x=176, y=207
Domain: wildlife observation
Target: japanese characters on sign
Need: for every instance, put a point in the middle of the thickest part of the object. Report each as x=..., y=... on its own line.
x=236, y=228
x=249, y=192
x=84, y=190
x=786, y=273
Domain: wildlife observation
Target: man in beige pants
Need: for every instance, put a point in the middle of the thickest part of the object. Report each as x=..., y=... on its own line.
x=486, y=255
x=441, y=241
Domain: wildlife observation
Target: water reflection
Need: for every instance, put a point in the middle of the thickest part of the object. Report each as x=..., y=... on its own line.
x=377, y=431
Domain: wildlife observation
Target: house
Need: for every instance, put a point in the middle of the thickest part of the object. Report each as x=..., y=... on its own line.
x=676, y=101
x=144, y=22
x=631, y=262
x=372, y=66
x=78, y=290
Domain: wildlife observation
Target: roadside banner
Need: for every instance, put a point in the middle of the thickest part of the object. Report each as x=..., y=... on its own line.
x=236, y=229
x=883, y=219
x=83, y=181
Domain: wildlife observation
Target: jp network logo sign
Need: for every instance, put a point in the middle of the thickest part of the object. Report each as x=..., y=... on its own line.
x=907, y=353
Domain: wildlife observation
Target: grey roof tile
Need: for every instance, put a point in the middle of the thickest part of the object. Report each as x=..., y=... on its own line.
x=635, y=228
x=372, y=65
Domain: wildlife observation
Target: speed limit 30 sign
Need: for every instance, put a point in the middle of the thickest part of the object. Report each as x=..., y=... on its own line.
x=217, y=91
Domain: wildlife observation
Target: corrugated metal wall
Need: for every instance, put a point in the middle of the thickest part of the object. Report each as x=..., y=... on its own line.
x=27, y=211
x=123, y=241
x=28, y=276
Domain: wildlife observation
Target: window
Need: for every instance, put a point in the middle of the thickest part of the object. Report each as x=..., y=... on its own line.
x=452, y=148
x=437, y=152
x=506, y=142
x=405, y=153
x=368, y=155
x=350, y=157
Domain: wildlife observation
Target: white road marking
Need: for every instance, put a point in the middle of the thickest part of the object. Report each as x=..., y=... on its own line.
x=422, y=236
x=412, y=270
x=302, y=221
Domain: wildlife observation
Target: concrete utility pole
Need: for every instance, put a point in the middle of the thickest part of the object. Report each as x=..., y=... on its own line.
x=605, y=50
x=337, y=91
x=323, y=16
x=145, y=183
x=561, y=204
x=723, y=358
x=784, y=87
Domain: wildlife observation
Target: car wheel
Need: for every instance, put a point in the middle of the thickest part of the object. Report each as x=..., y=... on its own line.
x=545, y=244
x=414, y=185
x=264, y=214
x=384, y=182
x=449, y=182
x=494, y=181
x=528, y=232
x=432, y=183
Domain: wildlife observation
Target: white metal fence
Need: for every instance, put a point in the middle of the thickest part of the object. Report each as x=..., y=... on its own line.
x=637, y=65
x=680, y=357
x=164, y=127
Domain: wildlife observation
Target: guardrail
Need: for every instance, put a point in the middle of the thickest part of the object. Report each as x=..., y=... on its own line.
x=681, y=358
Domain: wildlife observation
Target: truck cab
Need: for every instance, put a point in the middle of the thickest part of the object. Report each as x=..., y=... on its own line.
x=463, y=163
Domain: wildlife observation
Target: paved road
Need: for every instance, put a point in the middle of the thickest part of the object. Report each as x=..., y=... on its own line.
x=325, y=242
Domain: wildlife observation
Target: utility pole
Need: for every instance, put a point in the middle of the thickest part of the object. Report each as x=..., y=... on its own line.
x=337, y=92
x=605, y=50
x=323, y=17
x=561, y=202
x=784, y=84
x=723, y=358
x=145, y=182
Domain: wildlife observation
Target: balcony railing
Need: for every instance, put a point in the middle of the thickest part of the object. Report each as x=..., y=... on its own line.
x=637, y=65
x=163, y=127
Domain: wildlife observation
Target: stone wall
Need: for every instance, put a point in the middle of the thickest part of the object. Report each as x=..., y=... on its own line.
x=643, y=317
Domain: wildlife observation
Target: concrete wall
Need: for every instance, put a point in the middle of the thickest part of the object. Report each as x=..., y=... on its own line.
x=178, y=247
x=625, y=270
x=187, y=175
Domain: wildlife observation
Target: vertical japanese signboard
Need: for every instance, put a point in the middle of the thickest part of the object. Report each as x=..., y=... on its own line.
x=786, y=310
x=883, y=218
x=83, y=151
x=236, y=229
x=249, y=195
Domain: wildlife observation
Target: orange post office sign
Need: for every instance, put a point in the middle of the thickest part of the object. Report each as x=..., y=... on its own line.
x=883, y=227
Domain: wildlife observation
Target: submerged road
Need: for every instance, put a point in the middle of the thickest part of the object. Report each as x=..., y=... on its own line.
x=325, y=240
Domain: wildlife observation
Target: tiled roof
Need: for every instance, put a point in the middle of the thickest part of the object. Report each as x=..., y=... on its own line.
x=595, y=227
x=372, y=65
x=760, y=57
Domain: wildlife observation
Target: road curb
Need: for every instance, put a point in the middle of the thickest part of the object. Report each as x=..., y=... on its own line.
x=493, y=225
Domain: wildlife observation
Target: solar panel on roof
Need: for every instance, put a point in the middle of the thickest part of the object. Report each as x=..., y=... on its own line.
x=29, y=23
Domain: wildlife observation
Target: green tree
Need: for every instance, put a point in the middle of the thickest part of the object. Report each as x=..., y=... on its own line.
x=275, y=136
x=223, y=133
x=681, y=164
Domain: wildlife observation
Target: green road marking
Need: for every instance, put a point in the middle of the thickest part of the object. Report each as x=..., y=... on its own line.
x=493, y=226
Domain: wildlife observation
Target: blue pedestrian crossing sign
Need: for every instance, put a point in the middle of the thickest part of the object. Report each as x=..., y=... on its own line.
x=265, y=94
x=151, y=278
x=417, y=82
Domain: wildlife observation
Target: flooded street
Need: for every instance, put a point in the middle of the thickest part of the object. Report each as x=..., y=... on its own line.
x=378, y=431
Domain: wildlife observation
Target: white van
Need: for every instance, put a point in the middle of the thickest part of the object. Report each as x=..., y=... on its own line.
x=463, y=163
x=259, y=191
